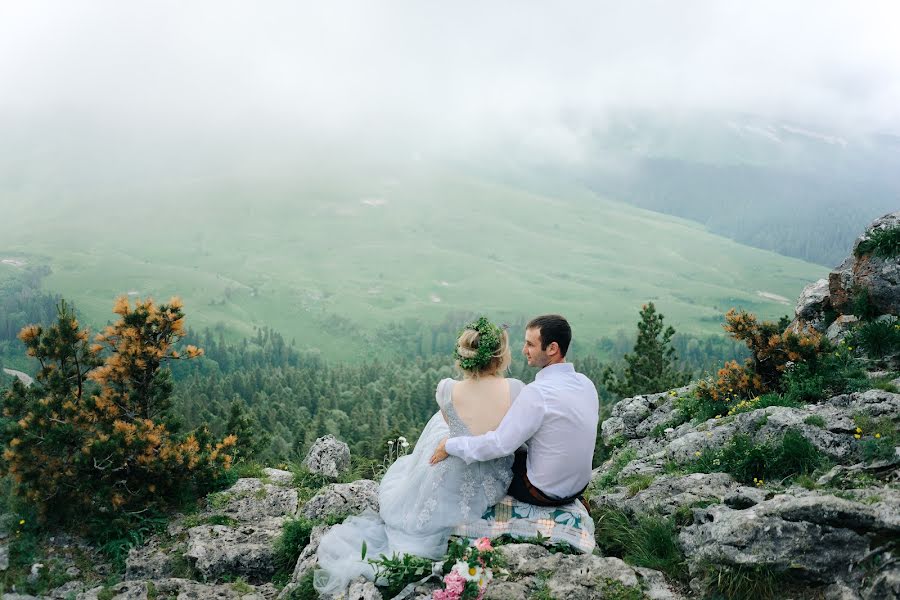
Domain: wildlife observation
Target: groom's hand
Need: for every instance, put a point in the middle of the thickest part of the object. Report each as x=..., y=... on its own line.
x=439, y=453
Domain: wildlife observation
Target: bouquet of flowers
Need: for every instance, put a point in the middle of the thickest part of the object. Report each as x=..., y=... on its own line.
x=469, y=571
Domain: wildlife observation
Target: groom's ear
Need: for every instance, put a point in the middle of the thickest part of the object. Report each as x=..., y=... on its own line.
x=552, y=348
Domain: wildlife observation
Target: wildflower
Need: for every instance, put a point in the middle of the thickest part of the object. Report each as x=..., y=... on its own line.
x=856, y=435
x=697, y=453
x=21, y=521
x=858, y=430
x=877, y=436
x=483, y=544
x=672, y=393
x=718, y=416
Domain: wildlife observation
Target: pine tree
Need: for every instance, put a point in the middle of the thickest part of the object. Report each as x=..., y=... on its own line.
x=650, y=367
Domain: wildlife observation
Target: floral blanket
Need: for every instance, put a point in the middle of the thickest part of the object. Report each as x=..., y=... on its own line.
x=570, y=523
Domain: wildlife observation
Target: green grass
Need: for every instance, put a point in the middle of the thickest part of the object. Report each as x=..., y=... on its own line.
x=815, y=421
x=742, y=583
x=620, y=460
x=309, y=258
x=771, y=461
x=646, y=541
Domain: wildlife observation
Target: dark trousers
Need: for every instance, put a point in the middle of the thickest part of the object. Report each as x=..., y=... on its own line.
x=523, y=490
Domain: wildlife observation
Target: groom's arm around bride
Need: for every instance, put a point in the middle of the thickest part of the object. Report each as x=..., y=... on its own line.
x=556, y=416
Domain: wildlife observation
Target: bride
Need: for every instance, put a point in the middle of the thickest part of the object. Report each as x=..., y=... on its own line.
x=420, y=504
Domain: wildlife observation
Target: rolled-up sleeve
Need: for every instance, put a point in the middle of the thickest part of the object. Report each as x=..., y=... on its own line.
x=520, y=423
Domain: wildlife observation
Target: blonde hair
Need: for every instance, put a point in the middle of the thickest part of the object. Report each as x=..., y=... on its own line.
x=467, y=347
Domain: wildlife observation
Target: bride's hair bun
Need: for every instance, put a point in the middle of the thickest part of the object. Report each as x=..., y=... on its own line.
x=482, y=349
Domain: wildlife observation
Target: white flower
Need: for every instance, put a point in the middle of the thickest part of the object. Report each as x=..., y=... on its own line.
x=486, y=576
x=468, y=573
x=401, y=439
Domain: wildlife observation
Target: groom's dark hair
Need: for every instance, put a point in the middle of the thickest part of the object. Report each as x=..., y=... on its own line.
x=553, y=328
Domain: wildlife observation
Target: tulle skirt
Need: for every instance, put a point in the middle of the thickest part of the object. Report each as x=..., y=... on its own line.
x=420, y=505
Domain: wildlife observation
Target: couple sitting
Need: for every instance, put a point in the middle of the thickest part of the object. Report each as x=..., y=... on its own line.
x=473, y=452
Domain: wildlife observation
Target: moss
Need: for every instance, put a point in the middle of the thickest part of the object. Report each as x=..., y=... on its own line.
x=815, y=421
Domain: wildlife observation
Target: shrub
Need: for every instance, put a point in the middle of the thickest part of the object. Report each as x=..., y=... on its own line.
x=754, y=464
x=91, y=437
x=772, y=349
x=878, y=438
x=742, y=582
x=884, y=243
x=620, y=460
x=647, y=541
x=878, y=338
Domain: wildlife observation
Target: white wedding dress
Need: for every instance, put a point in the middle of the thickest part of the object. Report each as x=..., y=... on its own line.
x=420, y=504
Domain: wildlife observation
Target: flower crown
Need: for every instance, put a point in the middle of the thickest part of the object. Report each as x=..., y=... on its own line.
x=489, y=337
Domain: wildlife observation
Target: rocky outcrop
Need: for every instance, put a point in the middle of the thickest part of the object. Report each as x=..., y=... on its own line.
x=878, y=276
x=329, y=457
x=342, y=499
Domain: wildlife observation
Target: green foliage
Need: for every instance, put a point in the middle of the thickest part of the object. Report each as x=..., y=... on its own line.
x=616, y=590
x=743, y=583
x=884, y=243
x=877, y=437
x=861, y=303
x=293, y=539
x=636, y=483
x=305, y=589
x=651, y=366
x=117, y=535
x=753, y=464
x=878, y=338
x=815, y=421
x=399, y=571
x=646, y=541
x=621, y=458
x=90, y=438
x=252, y=439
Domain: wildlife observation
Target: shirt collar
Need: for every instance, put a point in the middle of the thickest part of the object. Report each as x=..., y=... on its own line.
x=564, y=367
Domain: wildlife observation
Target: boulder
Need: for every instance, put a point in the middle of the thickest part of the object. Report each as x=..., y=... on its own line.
x=840, y=328
x=246, y=550
x=342, y=498
x=810, y=536
x=250, y=499
x=329, y=457
x=813, y=302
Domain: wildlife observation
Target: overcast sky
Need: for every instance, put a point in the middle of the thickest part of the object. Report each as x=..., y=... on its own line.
x=449, y=68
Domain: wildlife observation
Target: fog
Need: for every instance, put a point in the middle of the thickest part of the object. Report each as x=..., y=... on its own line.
x=434, y=75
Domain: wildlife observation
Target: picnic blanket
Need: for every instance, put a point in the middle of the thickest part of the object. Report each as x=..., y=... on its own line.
x=570, y=523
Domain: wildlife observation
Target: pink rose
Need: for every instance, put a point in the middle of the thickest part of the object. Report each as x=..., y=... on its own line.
x=455, y=583
x=483, y=544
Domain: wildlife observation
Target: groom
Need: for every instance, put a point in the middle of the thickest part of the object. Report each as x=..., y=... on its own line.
x=556, y=416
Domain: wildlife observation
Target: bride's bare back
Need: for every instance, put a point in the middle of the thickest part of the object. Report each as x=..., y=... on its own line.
x=481, y=403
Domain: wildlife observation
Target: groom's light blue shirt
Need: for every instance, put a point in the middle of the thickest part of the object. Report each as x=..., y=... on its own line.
x=556, y=416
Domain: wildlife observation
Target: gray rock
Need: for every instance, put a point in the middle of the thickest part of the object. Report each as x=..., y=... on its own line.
x=505, y=590
x=279, y=477
x=840, y=328
x=35, y=572
x=72, y=588
x=815, y=537
x=520, y=558
x=73, y=572
x=8, y=596
x=126, y=590
x=250, y=499
x=306, y=561
x=4, y=557
x=886, y=586
x=655, y=585
x=841, y=591
x=246, y=550
x=584, y=577
x=880, y=276
x=328, y=456
x=148, y=562
x=187, y=589
x=342, y=498
x=813, y=302
x=667, y=494
x=363, y=590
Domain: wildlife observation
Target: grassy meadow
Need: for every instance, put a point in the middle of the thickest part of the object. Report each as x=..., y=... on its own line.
x=328, y=260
